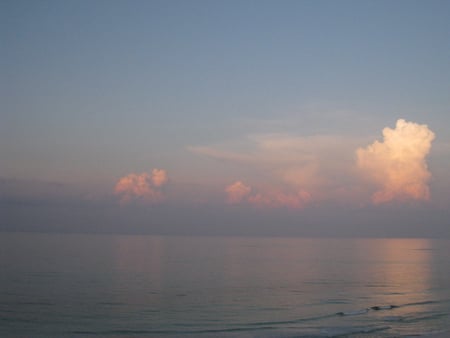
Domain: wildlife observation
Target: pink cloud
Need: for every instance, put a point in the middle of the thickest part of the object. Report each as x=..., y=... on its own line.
x=238, y=192
x=397, y=166
x=141, y=187
x=394, y=168
x=159, y=177
x=319, y=164
x=279, y=199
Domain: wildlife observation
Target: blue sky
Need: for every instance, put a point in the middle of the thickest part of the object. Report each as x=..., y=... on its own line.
x=93, y=91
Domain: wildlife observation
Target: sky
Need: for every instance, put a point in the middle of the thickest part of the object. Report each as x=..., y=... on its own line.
x=271, y=118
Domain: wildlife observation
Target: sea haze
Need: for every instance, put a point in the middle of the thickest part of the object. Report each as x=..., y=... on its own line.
x=113, y=285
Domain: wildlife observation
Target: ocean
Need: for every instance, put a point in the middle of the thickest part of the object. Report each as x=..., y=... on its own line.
x=82, y=285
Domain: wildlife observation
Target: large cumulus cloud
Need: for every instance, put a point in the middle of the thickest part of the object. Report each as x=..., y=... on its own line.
x=397, y=165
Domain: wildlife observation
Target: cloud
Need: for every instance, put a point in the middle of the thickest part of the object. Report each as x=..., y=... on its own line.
x=296, y=200
x=397, y=165
x=238, y=192
x=322, y=165
x=278, y=166
x=141, y=187
x=159, y=177
x=220, y=154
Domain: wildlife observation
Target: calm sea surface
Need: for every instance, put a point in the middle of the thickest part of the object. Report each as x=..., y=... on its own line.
x=55, y=285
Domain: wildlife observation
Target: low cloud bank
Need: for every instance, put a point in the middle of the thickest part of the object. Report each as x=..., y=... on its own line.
x=238, y=193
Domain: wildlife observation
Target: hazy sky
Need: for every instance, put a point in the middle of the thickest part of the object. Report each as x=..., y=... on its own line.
x=226, y=117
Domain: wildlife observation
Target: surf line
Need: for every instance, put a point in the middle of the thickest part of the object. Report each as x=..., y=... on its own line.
x=374, y=308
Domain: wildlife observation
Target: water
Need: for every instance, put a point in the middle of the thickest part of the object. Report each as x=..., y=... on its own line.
x=55, y=285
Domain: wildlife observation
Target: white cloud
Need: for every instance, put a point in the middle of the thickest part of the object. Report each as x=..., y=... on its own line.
x=397, y=165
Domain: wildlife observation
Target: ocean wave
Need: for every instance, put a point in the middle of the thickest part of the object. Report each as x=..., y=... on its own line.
x=366, y=310
x=352, y=313
x=353, y=330
x=314, y=326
